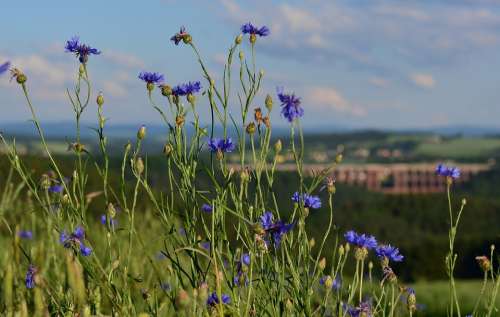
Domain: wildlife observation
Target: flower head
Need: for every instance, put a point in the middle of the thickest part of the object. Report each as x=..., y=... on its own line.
x=309, y=201
x=82, y=51
x=274, y=230
x=336, y=282
x=213, y=299
x=290, y=105
x=30, y=277
x=75, y=239
x=221, y=145
x=25, y=234
x=104, y=220
x=188, y=88
x=448, y=171
x=361, y=240
x=389, y=252
x=4, y=67
x=363, y=310
x=207, y=208
x=57, y=188
x=249, y=28
x=182, y=35
x=151, y=77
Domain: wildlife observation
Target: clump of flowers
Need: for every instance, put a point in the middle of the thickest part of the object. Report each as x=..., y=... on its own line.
x=213, y=299
x=290, y=105
x=241, y=269
x=329, y=282
x=274, y=230
x=82, y=51
x=187, y=89
x=76, y=239
x=30, y=279
x=112, y=222
x=363, y=310
x=308, y=201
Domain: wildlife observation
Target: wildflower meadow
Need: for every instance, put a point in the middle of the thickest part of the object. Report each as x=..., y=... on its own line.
x=218, y=247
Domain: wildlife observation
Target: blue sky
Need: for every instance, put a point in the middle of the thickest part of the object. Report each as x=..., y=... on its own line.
x=384, y=64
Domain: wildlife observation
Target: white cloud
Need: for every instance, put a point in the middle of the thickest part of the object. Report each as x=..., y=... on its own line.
x=299, y=19
x=379, y=81
x=423, y=80
x=114, y=88
x=330, y=98
x=123, y=59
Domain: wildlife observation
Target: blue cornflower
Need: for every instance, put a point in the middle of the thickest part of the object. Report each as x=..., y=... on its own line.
x=188, y=88
x=104, y=220
x=245, y=259
x=335, y=285
x=206, y=245
x=290, y=104
x=217, y=145
x=363, y=310
x=82, y=51
x=30, y=277
x=165, y=286
x=57, y=188
x=207, y=208
x=274, y=229
x=309, y=201
x=389, y=252
x=182, y=35
x=213, y=299
x=361, y=240
x=25, y=234
x=4, y=67
x=448, y=171
x=249, y=28
x=151, y=77
x=75, y=239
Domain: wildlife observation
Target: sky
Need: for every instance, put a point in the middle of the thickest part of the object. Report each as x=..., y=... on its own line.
x=363, y=64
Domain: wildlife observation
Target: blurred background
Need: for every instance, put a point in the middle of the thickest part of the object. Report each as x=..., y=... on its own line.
x=397, y=87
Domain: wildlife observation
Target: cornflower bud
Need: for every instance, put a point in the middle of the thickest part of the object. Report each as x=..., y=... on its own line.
x=411, y=300
x=484, y=263
x=258, y=115
x=187, y=39
x=166, y=90
x=328, y=282
x=267, y=121
x=322, y=264
x=312, y=243
x=278, y=146
x=18, y=75
x=338, y=158
x=341, y=250
x=238, y=39
x=269, y=102
x=253, y=38
x=111, y=210
x=182, y=299
x=100, y=99
x=45, y=182
x=167, y=149
x=241, y=55
x=360, y=253
x=139, y=165
x=141, y=133
x=191, y=99
x=179, y=121
x=250, y=128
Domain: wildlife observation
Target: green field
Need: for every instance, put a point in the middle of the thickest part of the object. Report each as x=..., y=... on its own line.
x=460, y=148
